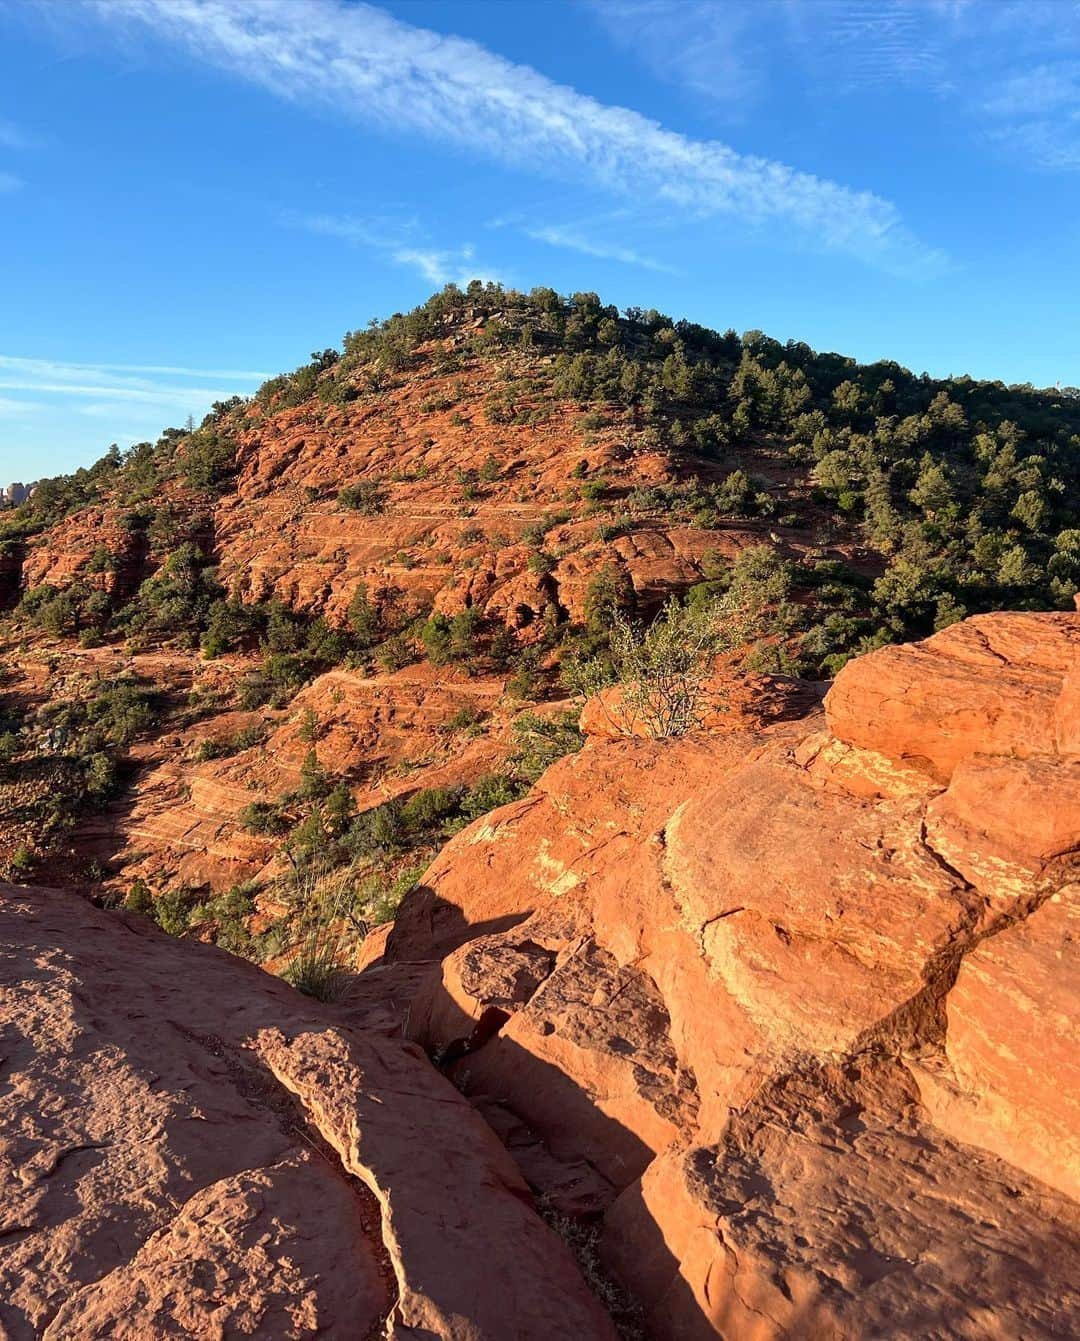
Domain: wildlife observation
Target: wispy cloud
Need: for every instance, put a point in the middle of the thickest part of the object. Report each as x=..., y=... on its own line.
x=359, y=60
x=556, y=236
x=857, y=44
x=441, y=267
x=701, y=46
x=1037, y=115
x=1010, y=69
x=403, y=243
x=127, y=383
x=121, y=411
x=164, y=369
x=15, y=409
x=733, y=54
x=381, y=233
x=14, y=137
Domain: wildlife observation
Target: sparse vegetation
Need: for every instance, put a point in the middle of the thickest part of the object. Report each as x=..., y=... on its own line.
x=661, y=669
x=366, y=496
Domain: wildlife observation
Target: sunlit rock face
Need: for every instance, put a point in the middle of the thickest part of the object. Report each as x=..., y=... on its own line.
x=801, y=992
x=188, y=1147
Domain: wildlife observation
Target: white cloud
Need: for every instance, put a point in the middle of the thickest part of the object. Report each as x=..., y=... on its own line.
x=402, y=243
x=701, y=46
x=361, y=61
x=15, y=409
x=151, y=395
x=365, y=232
x=435, y=266
x=116, y=382
x=11, y=137
x=556, y=236
x=171, y=370
x=733, y=54
x=1037, y=115
x=1010, y=69
x=113, y=410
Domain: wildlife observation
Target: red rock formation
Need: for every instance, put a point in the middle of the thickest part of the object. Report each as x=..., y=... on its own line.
x=804, y=1001
x=190, y=1148
x=989, y=685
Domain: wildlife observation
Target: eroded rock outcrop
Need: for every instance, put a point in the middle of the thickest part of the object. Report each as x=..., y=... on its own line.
x=989, y=685
x=189, y=1148
x=800, y=994
x=787, y=1007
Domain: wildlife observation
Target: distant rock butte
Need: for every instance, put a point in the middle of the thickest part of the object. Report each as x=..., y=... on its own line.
x=787, y=1007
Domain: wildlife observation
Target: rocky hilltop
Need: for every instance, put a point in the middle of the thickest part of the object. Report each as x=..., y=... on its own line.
x=803, y=998
x=785, y=1009
x=396, y=555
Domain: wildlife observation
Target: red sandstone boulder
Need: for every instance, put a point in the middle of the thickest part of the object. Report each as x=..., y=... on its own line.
x=989, y=685
x=830, y=1208
x=1005, y=823
x=789, y=992
x=818, y=912
x=190, y=1148
x=1012, y=1047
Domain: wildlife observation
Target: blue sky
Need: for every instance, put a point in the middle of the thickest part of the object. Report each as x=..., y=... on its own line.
x=195, y=194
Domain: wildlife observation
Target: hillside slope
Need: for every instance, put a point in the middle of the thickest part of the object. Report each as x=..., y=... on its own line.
x=380, y=578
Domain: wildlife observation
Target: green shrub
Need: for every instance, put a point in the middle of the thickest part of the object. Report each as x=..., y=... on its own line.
x=139, y=899
x=662, y=669
x=363, y=618
x=9, y=749
x=314, y=779
x=172, y=910
x=540, y=741
x=209, y=459
x=366, y=496
x=437, y=637
x=395, y=654
x=464, y=719
x=264, y=818
x=224, y=747
x=431, y=807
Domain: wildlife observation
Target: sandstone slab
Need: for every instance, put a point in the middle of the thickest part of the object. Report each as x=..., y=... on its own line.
x=988, y=685
x=190, y=1148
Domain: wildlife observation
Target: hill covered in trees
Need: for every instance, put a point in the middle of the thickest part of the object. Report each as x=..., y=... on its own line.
x=966, y=490
x=339, y=619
